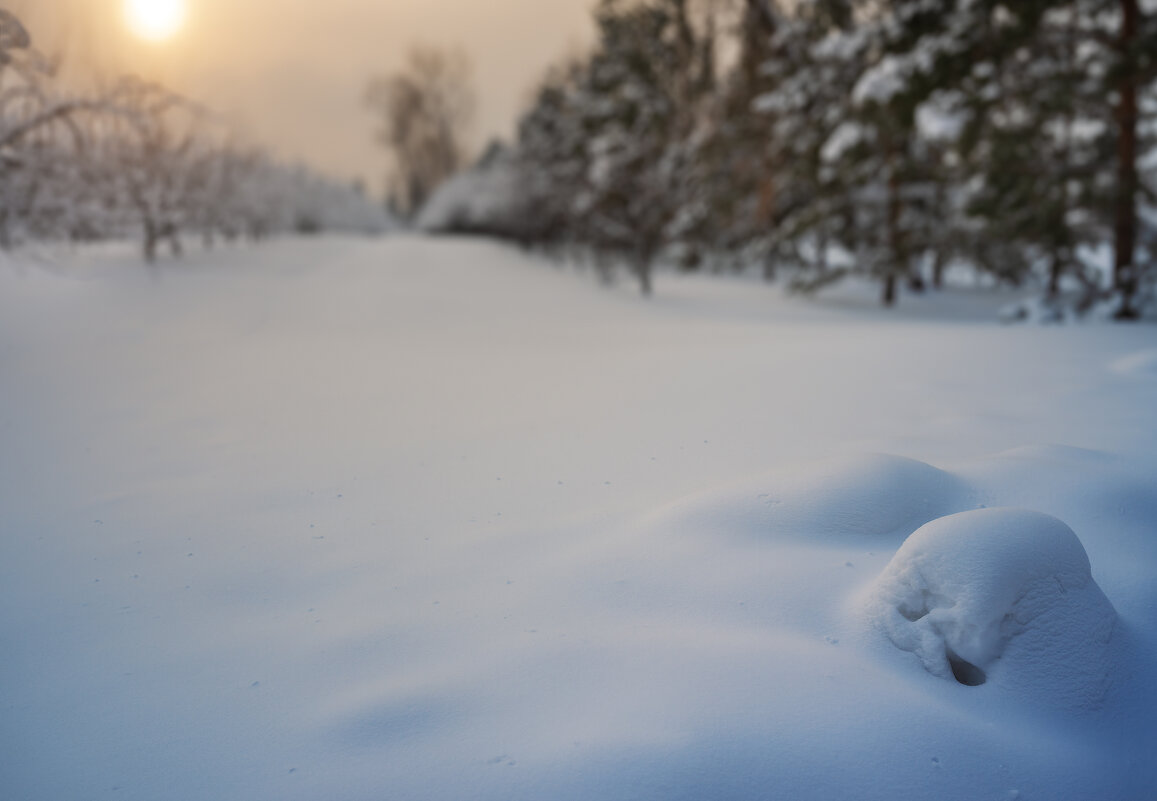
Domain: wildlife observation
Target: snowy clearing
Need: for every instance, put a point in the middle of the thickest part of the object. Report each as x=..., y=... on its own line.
x=416, y=519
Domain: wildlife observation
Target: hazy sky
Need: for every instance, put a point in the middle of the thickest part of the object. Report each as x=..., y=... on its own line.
x=291, y=73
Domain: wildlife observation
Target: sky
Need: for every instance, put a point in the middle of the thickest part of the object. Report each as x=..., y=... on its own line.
x=290, y=74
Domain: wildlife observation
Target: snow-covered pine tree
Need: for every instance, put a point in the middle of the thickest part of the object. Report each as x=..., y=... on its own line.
x=606, y=150
x=1032, y=143
x=730, y=187
x=1130, y=81
x=1050, y=132
x=551, y=159
x=861, y=190
x=638, y=118
x=812, y=65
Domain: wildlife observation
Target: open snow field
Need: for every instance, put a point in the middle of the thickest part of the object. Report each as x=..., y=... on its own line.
x=414, y=519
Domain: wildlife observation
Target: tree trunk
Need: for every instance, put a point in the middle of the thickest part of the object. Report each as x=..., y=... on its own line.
x=643, y=272
x=1125, y=228
x=151, y=239
x=685, y=51
x=897, y=262
x=768, y=267
x=763, y=15
x=765, y=213
x=938, y=263
x=759, y=26
x=915, y=280
x=1055, y=268
x=889, y=296
x=173, y=235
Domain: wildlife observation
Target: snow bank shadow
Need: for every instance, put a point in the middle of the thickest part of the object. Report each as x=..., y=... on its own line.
x=1090, y=489
x=398, y=720
x=852, y=497
x=1004, y=595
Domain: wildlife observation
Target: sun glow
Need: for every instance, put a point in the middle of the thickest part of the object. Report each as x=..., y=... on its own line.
x=155, y=20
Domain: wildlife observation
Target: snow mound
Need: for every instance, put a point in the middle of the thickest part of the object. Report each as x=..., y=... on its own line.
x=1092, y=490
x=1001, y=595
x=864, y=494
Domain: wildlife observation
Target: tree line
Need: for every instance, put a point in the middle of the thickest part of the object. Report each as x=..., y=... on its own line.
x=827, y=138
x=138, y=160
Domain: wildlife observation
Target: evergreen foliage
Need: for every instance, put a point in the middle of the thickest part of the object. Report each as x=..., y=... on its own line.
x=890, y=139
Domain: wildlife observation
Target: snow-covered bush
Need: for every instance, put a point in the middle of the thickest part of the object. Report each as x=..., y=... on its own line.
x=482, y=199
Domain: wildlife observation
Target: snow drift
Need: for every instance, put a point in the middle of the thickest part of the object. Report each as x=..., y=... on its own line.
x=1001, y=594
x=869, y=494
x=363, y=519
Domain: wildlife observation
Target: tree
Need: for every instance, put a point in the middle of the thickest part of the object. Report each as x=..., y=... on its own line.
x=551, y=159
x=159, y=161
x=1033, y=142
x=1133, y=72
x=424, y=110
x=1052, y=142
x=38, y=136
x=1007, y=133
x=610, y=143
x=885, y=139
x=139, y=160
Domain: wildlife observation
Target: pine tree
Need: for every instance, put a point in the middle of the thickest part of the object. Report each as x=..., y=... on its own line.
x=551, y=160
x=607, y=148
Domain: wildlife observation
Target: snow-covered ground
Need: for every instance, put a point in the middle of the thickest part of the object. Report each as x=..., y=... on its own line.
x=409, y=519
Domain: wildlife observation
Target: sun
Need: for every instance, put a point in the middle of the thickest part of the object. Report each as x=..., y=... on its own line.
x=154, y=20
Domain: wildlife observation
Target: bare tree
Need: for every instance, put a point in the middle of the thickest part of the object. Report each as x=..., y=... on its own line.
x=156, y=152
x=139, y=160
x=39, y=136
x=424, y=110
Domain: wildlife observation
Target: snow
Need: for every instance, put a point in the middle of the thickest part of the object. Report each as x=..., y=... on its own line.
x=941, y=118
x=881, y=82
x=858, y=495
x=846, y=136
x=406, y=518
x=1143, y=361
x=1001, y=594
x=477, y=199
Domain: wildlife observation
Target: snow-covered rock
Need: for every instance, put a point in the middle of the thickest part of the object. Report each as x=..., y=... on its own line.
x=1004, y=595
